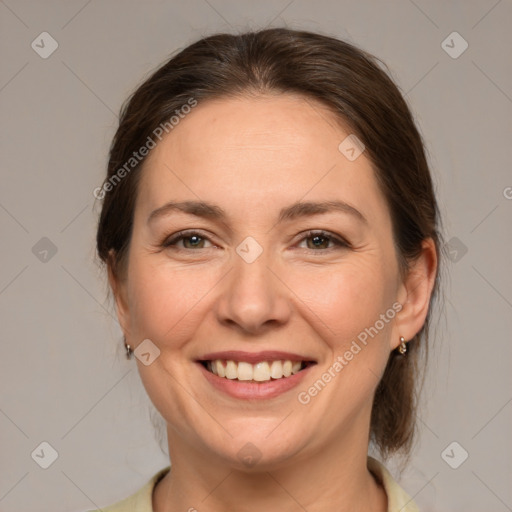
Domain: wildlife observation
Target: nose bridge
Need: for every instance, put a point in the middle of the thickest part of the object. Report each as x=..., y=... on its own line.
x=253, y=297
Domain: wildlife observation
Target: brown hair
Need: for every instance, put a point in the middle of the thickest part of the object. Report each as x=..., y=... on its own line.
x=350, y=82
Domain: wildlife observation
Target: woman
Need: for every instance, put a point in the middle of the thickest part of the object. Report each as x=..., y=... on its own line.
x=272, y=242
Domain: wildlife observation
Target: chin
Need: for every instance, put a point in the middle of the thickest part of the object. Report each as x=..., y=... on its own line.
x=256, y=447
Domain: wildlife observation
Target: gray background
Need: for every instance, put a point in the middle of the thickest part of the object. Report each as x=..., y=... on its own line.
x=63, y=377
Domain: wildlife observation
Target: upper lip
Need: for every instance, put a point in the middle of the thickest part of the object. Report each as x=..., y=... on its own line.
x=254, y=357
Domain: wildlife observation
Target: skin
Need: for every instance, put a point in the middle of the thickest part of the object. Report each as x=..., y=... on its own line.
x=252, y=156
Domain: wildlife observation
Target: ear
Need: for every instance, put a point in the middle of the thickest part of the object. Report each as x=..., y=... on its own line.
x=415, y=292
x=119, y=292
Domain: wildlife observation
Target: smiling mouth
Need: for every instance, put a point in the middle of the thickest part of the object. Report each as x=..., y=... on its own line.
x=263, y=371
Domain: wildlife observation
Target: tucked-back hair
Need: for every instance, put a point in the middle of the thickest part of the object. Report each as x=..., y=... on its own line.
x=354, y=86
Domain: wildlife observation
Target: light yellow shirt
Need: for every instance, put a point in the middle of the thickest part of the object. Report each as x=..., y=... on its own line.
x=142, y=500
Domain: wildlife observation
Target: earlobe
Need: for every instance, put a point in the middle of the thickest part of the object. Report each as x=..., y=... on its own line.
x=416, y=291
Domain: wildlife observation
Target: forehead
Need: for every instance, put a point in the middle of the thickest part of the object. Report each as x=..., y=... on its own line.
x=258, y=150
x=288, y=126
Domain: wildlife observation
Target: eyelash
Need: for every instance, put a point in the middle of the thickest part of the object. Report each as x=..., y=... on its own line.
x=337, y=241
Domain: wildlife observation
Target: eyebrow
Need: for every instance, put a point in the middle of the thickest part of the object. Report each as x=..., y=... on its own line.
x=300, y=209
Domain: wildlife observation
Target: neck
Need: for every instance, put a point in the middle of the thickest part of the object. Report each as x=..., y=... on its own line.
x=335, y=477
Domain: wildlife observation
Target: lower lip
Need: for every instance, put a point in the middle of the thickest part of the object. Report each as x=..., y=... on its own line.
x=254, y=390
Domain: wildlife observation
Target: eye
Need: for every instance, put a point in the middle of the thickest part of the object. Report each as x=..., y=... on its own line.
x=321, y=240
x=191, y=240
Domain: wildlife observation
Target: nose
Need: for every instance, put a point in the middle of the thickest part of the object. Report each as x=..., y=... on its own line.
x=254, y=299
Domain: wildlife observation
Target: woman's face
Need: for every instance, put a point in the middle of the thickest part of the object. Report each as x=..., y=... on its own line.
x=248, y=278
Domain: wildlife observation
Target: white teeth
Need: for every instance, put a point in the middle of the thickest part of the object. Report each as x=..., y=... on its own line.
x=260, y=372
x=244, y=371
x=231, y=370
x=276, y=370
x=221, y=372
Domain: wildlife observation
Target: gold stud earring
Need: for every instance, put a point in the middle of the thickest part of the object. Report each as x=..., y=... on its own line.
x=402, y=348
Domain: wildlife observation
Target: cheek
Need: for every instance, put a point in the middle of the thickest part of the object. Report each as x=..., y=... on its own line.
x=345, y=298
x=163, y=299
x=347, y=303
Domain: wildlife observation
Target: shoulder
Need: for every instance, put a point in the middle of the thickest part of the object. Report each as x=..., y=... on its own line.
x=140, y=501
x=398, y=499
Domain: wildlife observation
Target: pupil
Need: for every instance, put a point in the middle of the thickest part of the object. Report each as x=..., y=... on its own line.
x=195, y=239
x=316, y=239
